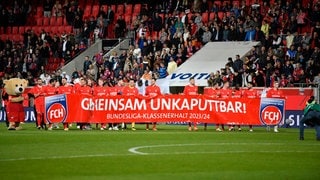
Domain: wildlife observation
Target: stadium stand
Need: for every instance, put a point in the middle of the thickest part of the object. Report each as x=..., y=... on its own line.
x=139, y=20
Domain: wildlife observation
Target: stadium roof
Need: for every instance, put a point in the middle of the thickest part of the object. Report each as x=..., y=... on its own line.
x=212, y=57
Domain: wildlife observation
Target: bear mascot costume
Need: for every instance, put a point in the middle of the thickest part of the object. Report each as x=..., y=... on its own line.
x=14, y=88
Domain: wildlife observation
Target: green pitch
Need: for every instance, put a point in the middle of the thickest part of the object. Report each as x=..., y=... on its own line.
x=172, y=152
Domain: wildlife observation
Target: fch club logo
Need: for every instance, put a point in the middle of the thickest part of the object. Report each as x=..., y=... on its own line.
x=56, y=108
x=272, y=111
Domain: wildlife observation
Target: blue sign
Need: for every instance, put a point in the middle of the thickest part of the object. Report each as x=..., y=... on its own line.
x=272, y=111
x=56, y=108
x=184, y=76
x=293, y=118
x=30, y=115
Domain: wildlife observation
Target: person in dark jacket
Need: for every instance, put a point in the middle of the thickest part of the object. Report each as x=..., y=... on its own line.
x=311, y=118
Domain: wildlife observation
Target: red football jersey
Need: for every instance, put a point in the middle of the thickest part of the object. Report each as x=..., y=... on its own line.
x=213, y=92
x=113, y=91
x=225, y=93
x=251, y=93
x=118, y=89
x=274, y=93
x=153, y=90
x=130, y=91
x=100, y=91
x=87, y=90
x=67, y=89
x=38, y=92
x=190, y=90
x=50, y=90
x=236, y=94
x=26, y=100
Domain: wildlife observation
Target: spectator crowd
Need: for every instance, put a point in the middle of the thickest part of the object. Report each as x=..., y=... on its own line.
x=165, y=34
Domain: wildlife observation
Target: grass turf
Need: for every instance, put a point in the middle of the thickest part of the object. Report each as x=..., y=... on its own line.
x=172, y=152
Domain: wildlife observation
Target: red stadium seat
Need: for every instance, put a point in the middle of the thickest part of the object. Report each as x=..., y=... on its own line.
x=59, y=21
x=218, y=3
x=54, y=29
x=68, y=29
x=87, y=11
x=128, y=9
x=137, y=8
x=46, y=21
x=235, y=3
x=65, y=21
x=21, y=29
x=3, y=37
x=26, y=28
x=61, y=29
x=39, y=21
x=154, y=34
x=114, y=8
x=120, y=9
x=134, y=16
x=211, y=16
x=9, y=30
x=39, y=12
x=248, y=2
x=220, y=14
x=105, y=7
x=116, y=15
x=39, y=9
x=205, y=17
x=10, y=37
x=95, y=10
x=47, y=29
x=127, y=19
x=53, y=20
x=17, y=38
x=37, y=29
x=15, y=30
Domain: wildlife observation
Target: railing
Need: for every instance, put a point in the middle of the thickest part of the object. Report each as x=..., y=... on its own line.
x=316, y=88
x=77, y=62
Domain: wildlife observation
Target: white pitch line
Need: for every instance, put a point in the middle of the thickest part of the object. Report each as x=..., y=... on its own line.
x=64, y=157
x=135, y=150
x=226, y=152
x=140, y=153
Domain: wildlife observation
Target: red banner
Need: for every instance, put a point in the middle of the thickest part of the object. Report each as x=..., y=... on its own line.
x=164, y=108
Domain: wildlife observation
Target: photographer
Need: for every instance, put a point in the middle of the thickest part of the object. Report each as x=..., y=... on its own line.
x=311, y=118
x=3, y=101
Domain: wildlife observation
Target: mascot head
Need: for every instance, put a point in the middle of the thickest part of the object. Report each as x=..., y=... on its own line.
x=15, y=86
